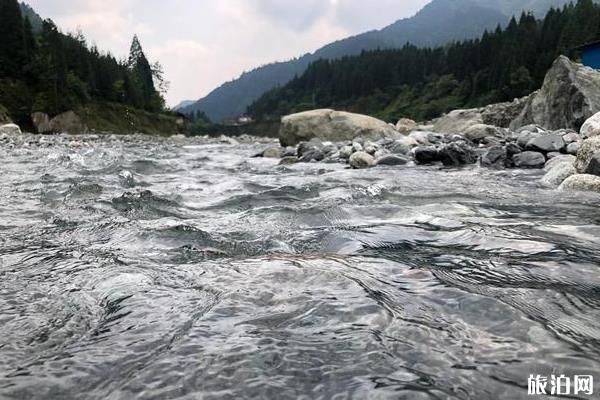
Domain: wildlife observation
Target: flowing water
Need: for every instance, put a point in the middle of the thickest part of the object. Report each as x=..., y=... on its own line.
x=148, y=268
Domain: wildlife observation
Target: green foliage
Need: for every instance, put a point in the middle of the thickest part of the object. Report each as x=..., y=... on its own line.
x=42, y=69
x=422, y=83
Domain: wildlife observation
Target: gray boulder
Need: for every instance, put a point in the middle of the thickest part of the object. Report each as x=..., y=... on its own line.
x=426, y=155
x=589, y=147
x=406, y=125
x=593, y=167
x=478, y=132
x=546, y=144
x=346, y=152
x=502, y=114
x=458, y=121
x=529, y=159
x=573, y=148
x=360, y=160
x=495, y=157
x=581, y=183
x=391, y=160
x=330, y=125
x=456, y=154
x=10, y=129
x=403, y=145
x=591, y=127
x=566, y=84
x=571, y=137
x=560, y=159
x=558, y=173
x=312, y=155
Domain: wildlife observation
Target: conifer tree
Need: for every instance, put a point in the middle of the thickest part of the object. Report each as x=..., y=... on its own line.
x=12, y=44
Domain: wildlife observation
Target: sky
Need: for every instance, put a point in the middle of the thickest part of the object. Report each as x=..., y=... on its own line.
x=204, y=43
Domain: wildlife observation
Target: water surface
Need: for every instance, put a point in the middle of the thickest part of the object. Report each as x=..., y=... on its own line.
x=148, y=268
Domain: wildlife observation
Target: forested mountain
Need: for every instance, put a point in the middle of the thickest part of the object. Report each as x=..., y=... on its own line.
x=438, y=23
x=35, y=20
x=53, y=72
x=422, y=83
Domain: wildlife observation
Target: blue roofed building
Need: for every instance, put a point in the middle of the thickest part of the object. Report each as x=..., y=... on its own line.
x=590, y=54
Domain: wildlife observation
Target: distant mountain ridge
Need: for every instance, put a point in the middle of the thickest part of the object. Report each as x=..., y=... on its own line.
x=438, y=23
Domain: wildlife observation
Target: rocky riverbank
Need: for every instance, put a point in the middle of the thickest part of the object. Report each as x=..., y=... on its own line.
x=556, y=129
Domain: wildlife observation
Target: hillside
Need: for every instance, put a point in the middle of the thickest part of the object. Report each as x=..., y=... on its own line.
x=438, y=23
x=424, y=83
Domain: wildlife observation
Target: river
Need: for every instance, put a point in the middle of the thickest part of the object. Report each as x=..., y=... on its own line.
x=149, y=268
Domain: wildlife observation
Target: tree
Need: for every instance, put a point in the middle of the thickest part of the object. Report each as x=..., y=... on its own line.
x=12, y=42
x=142, y=75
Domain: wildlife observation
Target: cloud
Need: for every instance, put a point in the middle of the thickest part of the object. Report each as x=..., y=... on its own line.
x=203, y=43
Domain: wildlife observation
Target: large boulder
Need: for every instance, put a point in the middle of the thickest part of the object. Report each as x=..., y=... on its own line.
x=426, y=155
x=68, y=122
x=593, y=167
x=502, y=114
x=330, y=125
x=558, y=173
x=569, y=96
x=581, y=183
x=495, y=157
x=458, y=121
x=41, y=122
x=589, y=147
x=591, y=127
x=456, y=154
x=10, y=129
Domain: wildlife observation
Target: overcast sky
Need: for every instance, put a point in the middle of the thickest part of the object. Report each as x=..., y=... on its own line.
x=203, y=43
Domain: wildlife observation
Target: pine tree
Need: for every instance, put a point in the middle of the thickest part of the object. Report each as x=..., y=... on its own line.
x=12, y=43
x=141, y=73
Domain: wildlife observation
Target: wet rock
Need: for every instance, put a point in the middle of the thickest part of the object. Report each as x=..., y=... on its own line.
x=495, y=157
x=360, y=160
x=10, y=129
x=546, y=144
x=529, y=159
x=289, y=152
x=477, y=133
x=273, y=152
x=591, y=127
x=312, y=155
x=346, y=152
x=573, y=148
x=406, y=126
x=330, y=125
x=426, y=155
x=581, y=183
x=558, y=173
x=589, y=147
x=329, y=148
x=456, y=154
x=288, y=160
x=306, y=147
x=391, y=160
x=381, y=153
x=512, y=149
x=593, y=167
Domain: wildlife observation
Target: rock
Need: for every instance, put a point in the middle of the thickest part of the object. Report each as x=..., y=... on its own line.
x=546, y=144
x=591, y=127
x=371, y=148
x=288, y=160
x=403, y=145
x=10, y=129
x=391, y=160
x=570, y=95
x=68, y=122
x=41, y=123
x=529, y=159
x=421, y=138
x=571, y=137
x=332, y=126
x=273, y=152
x=312, y=155
x=360, y=160
x=329, y=148
x=289, y=152
x=525, y=137
x=589, y=147
x=573, y=148
x=512, y=149
x=434, y=138
x=495, y=157
x=477, y=133
x=582, y=183
x=346, y=152
x=356, y=146
x=456, y=154
x=558, y=174
x=502, y=114
x=305, y=147
x=593, y=167
x=426, y=155
x=458, y=121
x=552, y=155
x=406, y=125
x=533, y=128
x=560, y=159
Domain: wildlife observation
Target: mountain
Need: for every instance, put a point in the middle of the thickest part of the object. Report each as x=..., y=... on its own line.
x=423, y=83
x=183, y=104
x=34, y=18
x=438, y=23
